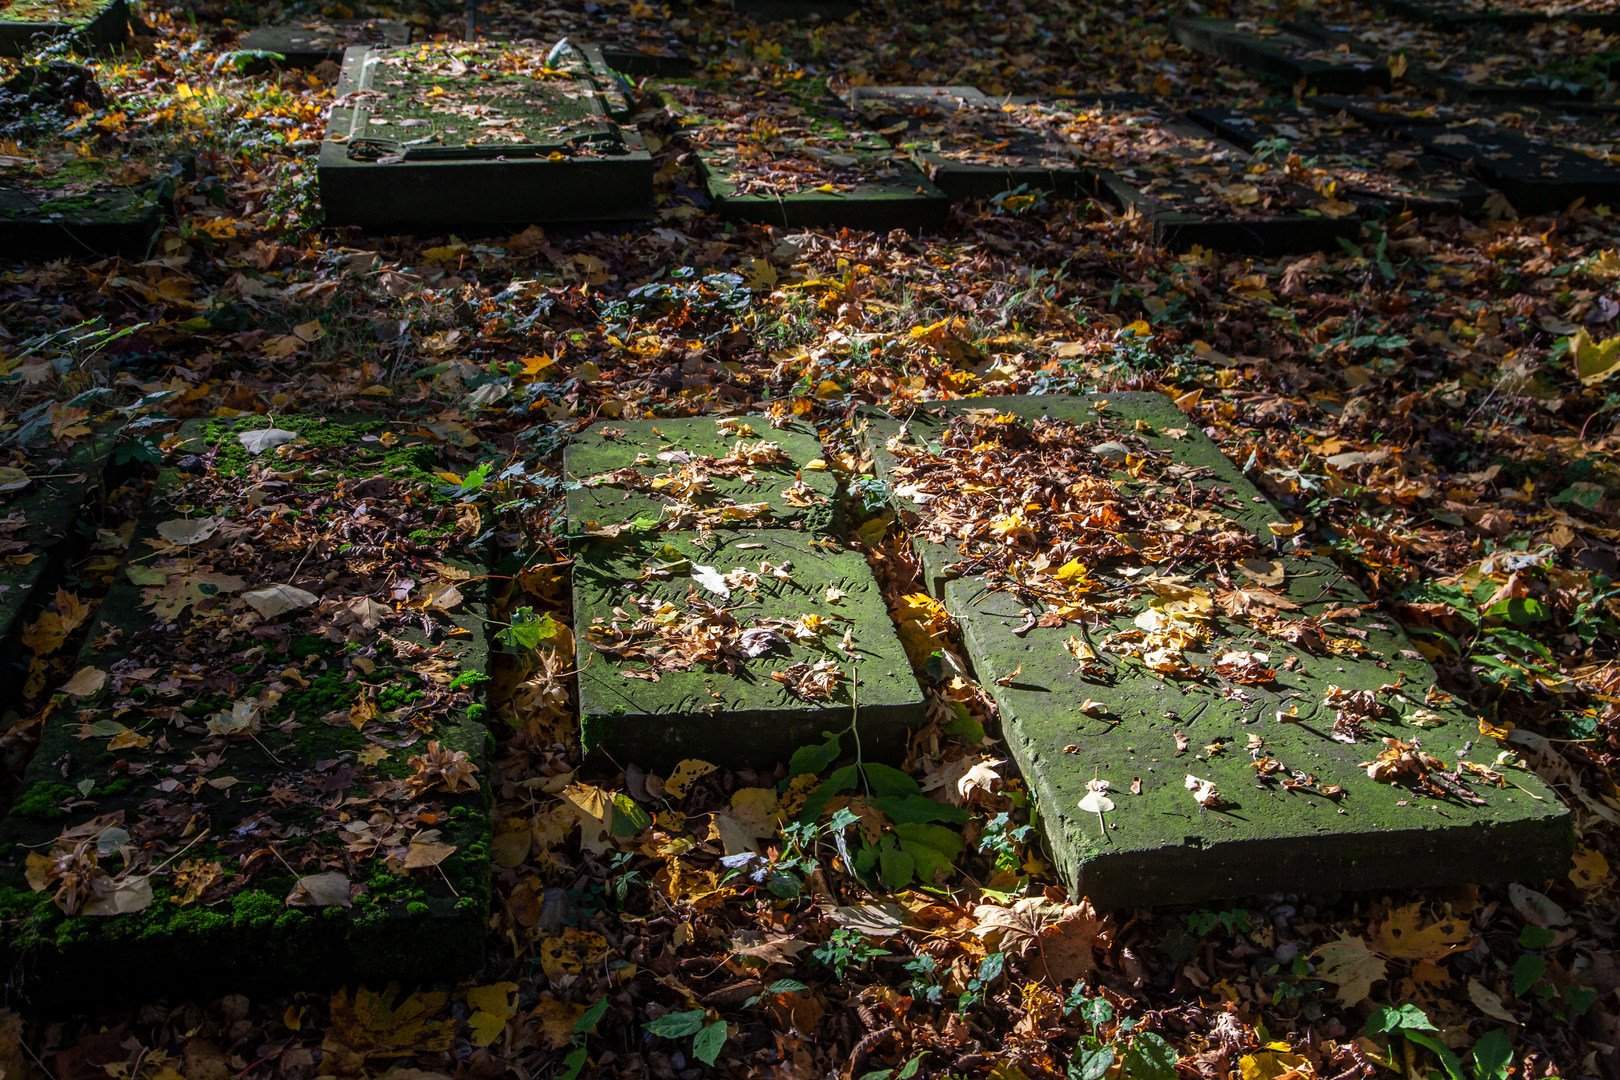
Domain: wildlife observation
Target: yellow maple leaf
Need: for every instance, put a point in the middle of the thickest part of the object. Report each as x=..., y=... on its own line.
x=372, y=1025
x=492, y=1007
x=1350, y=965
x=1403, y=935
x=685, y=775
x=1589, y=869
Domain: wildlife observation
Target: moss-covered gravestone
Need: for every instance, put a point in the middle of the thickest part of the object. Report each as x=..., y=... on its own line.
x=271, y=768
x=24, y=23
x=1364, y=166
x=1200, y=711
x=1536, y=175
x=480, y=134
x=973, y=146
x=718, y=616
x=307, y=43
x=1280, y=55
x=1195, y=189
x=792, y=155
x=55, y=202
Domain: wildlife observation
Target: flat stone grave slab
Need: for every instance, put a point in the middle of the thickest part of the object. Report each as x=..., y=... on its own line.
x=684, y=474
x=799, y=641
x=1537, y=176
x=1198, y=190
x=1456, y=14
x=1276, y=54
x=93, y=22
x=1365, y=166
x=818, y=165
x=1479, y=62
x=48, y=487
x=973, y=146
x=633, y=39
x=485, y=133
x=55, y=203
x=271, y=768
x=305, y=44
x=1232, y=695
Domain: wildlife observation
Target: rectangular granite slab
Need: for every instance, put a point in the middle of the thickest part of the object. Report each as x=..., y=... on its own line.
x=486, y=133
x=1158, y=666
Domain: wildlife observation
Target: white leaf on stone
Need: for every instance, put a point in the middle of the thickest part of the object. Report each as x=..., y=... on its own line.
x=1096, y=802
x=257, y=442
x=1203, y=791
x=711, y=579
x=1111, y=451
x=188, y=531
x=278, y=600
x=330, y=889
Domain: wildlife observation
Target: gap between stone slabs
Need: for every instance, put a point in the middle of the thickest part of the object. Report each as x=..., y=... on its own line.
x=219, y=763
x=1068, y=722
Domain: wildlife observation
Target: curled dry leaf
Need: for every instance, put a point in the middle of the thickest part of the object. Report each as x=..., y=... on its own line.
x=1203, y=791
x=451, y=769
